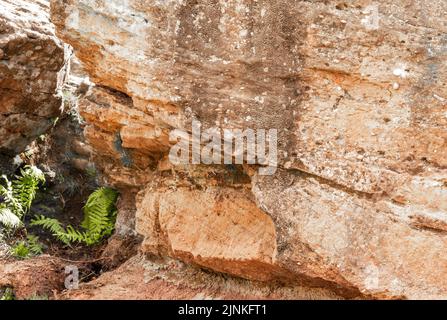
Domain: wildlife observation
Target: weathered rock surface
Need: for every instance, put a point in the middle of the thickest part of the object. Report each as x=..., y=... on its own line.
x=359, y=203
x=187, y=221
x=33, y=66
x=165, y=279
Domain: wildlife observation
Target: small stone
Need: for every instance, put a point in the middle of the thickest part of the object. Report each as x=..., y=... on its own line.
x=396, y=86
x=399, y=72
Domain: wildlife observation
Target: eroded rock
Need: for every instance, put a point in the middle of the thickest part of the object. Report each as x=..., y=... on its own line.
x=359, y=202
x=190, y=225
x=33, y=66
x=166, y=279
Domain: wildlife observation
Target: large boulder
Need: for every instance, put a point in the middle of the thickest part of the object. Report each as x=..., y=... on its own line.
x=357, y=93
x=33, y=66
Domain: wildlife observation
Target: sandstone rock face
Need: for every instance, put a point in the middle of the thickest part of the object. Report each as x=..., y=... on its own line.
x=188, y=219
x=32, y=69
x=169, y=279
x=358, y=95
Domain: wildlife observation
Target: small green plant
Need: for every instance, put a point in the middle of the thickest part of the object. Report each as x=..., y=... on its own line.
x=18, y=195
x=20, y=250
x=34, y=245
x=99, y=220
x=7, y=295
x=25, y=249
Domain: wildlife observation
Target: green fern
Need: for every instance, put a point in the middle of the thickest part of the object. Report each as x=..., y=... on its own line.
x=34, y=245
x=18, y=195
x=10, y=202
x=25, y=186
x=56, y=229
x=20, y=250
x=99, y=220
x=28, y=248
x=99, y=211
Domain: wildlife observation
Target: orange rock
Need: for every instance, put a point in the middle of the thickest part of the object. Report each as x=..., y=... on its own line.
x=361, y=120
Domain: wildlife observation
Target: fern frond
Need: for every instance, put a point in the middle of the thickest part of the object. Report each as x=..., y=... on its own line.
x=9, y=199
x=99, y=220
x=100, y=213
x=33, y=245
x=99, y=207
x=52, y=225
x=25, y=186
x=68, y=236
x=19, y=194
x=73, y=235
x=26, y=249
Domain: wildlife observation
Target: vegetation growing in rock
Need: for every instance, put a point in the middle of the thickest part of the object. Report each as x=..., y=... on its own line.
x=17, y=196
x=7, y=295
x=25, y=249
x=99, y=220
